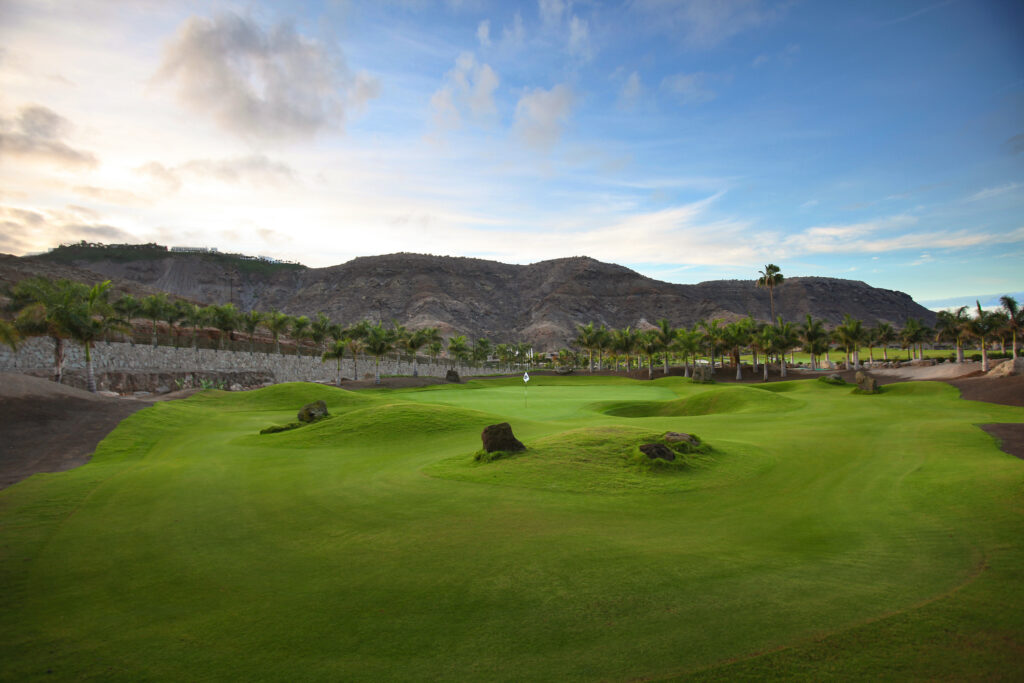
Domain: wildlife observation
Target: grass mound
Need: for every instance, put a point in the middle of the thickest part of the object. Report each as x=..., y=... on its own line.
x=288, y=396
x=596, y=460
x=388, y=422
x=721, y=400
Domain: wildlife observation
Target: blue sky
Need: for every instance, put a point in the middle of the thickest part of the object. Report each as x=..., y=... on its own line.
x=879, y=141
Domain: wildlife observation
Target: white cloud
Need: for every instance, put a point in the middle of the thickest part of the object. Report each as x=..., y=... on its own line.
x=632, y=88
x=266, y=83
x=990, y=192
x=469, y=88
x=705, y=23
x=483, y=33
x=38, y=134
x=551, y=11
x=579, y=38
x=514, y=35
x=541, y=115
x=688, y=88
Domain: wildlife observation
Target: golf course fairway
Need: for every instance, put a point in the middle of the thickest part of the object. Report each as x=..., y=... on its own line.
x=827, y=534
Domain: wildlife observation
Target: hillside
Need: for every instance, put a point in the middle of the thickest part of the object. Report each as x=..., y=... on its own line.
x=541, y=302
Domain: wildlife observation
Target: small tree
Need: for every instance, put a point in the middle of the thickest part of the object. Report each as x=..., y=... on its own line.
x=335, y=352
x=378, y=342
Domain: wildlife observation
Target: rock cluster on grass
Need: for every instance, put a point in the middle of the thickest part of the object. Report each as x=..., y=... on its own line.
x=311, y=412
x=658, y=450
x=866, y=383
x=499, y=437
x=677, y=437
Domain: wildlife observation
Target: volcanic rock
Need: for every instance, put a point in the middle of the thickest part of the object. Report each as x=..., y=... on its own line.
x=452, y=376
x=311, y=412
x=499, y=437
x=658, y=450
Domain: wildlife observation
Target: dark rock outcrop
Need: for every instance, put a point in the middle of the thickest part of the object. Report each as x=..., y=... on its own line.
x=658, y=450
x=311, y=412
x=499, y=437
x=452, y=376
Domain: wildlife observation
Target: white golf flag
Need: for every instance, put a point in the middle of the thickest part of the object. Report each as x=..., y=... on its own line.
x=526, y=377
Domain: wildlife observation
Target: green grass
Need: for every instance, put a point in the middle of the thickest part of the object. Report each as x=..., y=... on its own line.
x=825, y=535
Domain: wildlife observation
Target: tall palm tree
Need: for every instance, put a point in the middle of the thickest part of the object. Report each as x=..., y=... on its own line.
x=354, y=345
x=885, y=335
x=277, y=323
x=1014, y=319
x=481, y=350
x=153, y=307
x=586, y=339
x=713, y=337
x=687, y=344
x=735, y=336
x=666, y=335
x=950, y=326
x=764, y=339
x=982, y=326
x=195, y=317
x=378, y=342
x=771, y=277
x=46, y=307
x=300, y=332
x=224, y=317
x=91, y=321
x=813, y=337
x=785, y=339
x=648, y=344
x=319, y=330
x=128, y=308
x=251, y=322
x=851, y=334
x=434, y=348
x=912, y=334
x=412, y=344
x=624, y=342
x=457, y=349
x=335, y=352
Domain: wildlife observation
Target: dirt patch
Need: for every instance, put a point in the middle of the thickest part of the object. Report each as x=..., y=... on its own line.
x=49, y=427
x=1009, y=436
x=1005, y=390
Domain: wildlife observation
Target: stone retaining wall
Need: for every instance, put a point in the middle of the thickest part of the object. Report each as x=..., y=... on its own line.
x=35, y=356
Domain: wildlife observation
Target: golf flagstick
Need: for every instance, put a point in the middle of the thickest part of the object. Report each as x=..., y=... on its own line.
x=526, y=381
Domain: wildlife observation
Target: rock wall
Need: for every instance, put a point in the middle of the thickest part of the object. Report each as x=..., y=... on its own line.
x=116, y=363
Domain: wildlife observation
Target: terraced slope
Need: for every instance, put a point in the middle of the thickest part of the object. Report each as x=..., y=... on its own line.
x=842, y=536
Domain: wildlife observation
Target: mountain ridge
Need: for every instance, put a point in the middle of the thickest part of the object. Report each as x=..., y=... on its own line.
x=540, y=302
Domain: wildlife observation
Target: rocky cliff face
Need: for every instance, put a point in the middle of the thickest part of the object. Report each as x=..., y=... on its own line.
x=541, y=303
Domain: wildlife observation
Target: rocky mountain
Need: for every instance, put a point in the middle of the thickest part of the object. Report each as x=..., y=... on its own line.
x=542, y=302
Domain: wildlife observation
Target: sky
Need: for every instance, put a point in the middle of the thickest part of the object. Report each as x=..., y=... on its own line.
x=689, y=140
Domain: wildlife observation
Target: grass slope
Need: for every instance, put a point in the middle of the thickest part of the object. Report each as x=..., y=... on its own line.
x=839, y=535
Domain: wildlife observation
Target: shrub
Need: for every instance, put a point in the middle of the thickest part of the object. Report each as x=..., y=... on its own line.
x=832, y=380
x=274, y=429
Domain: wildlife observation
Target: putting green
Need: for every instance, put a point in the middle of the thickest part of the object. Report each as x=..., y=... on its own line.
x=827, y=534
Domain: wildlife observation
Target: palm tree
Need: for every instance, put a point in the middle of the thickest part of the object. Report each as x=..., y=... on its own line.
x=153, y=307
x=174, y=314
x=335, y=352
x=127, y=308
x=47, y=308
x=764, y=339
x=981, y=327
x=412, y=344
x=771, y=277
x=434, y=348
x=9, y=335
x=481, y=350
x=884, y=336
x=195, y=317
x=300, y=332
x=851, y=334
x=1014, y=320
x=92, y=319
x=587, y=339
x=785, y=339
x=648, y=344
x=714, y=336
x=354, y=345
x=666, y=335
x=277, y=323
x=624, y=342
x=378, y=342
x=913, y=333
x=319, y=330
x=813, y=336
x=735, y=336
x=950, y=326
x=457, y=349
x=251, y=322
x=225, y=317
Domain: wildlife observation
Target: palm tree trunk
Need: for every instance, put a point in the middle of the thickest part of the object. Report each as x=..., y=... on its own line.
x=739, y=371
x=90, y=376
x=766, y=368
x=355, y=368
x=415, y=366
x=959, y=351
x=885, y=353
x=856, y=358
x=376, y=374
x=58, y=360
x=984, y=355
x=782, y=365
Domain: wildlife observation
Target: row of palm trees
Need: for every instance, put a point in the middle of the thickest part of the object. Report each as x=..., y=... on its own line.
x=714, y=338
x=70, y=311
